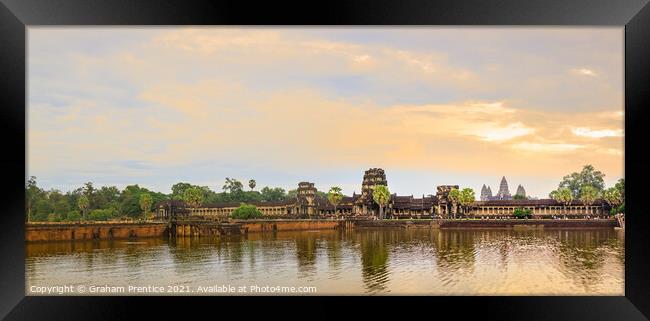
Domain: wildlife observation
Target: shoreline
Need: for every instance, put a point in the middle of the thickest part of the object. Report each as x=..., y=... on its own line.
x=85, y=231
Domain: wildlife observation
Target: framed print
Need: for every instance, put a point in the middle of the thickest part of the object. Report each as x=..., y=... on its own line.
x=435, y=156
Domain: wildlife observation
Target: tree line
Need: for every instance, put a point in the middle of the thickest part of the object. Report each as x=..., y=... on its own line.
x=134, y=202
x=588, y=185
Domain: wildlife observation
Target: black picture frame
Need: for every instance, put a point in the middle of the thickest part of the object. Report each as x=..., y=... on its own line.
x=17, y=15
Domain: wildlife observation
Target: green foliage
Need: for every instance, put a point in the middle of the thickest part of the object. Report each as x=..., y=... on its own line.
x=519, y=197
x=252, y=183
x=620, y=209
x=233, y=186
x=194, y=196
x=42, y=208
x=335, y=196
x=523, y=212
x=83, y=203
x=53, y=217
x=466, y=197
x=381, y=195
x=101, y=215
x=107, y=196
x=54, y=205
x=588, y=176
x=178, y=190
x=73, y=216
x=273, y=194
x=613, y=196
x=562, y=195
x=454, y=196
x=245, y=212
x=588, y=194
x=145, y=203
x=32, y=193
x=620, y=186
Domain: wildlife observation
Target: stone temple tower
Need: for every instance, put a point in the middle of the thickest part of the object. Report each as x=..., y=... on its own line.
x=504, y=192
x=486, y=193
x=520, y=191
x=306, y=195
x=365, y=204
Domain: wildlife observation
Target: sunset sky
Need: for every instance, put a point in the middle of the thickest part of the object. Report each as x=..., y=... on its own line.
x=431, y=106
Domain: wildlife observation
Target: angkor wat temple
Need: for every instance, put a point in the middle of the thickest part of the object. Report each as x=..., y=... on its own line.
x=503, y=193
x=309, y=204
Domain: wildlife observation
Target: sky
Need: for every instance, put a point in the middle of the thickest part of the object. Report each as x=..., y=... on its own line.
x=430, y=105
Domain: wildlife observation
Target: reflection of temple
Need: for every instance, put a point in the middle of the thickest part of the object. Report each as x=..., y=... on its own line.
x=308, y=204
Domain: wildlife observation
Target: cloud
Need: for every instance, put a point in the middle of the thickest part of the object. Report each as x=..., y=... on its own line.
x=302, y=100
x=597, y=133
x=546, y=147
x=584, y=72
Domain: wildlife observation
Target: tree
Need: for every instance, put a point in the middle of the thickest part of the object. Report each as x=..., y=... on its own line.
x=588, y=195
x=563, y=195
x=245, y=212
x=193, y=196
x=31, y=194
x=233, y=186
x=381, y=196
x=454, y=197
x=522, y=212
x=620, y=186
x=90, y=192
x=273, y=194
x=335, y=196
x=145, y=203
x=588, y=176
x=129, y=202
x=466, y=198
x=613, y=197
x=252, y=183
x=519, y=197
x=178, y=190
x=83, y=203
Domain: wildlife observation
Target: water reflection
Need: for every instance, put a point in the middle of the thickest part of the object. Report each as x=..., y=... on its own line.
x=372, y=261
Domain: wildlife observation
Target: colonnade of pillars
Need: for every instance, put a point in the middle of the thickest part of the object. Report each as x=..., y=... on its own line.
x=550, y=210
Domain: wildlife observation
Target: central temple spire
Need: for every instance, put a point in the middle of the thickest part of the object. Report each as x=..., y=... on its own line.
x=504, y=192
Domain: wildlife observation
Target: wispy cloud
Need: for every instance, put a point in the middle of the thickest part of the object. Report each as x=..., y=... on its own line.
x=597, y=133
x=584, y=72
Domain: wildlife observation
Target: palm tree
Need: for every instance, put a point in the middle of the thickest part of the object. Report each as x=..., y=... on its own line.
x=83, y=204
x=251, y=184
x=588, y=195
x=335, y=196
x=454, y=197
x=381, y=196
x=193, y=196
x=145, y=204
x=613, y=197
x=565, y=196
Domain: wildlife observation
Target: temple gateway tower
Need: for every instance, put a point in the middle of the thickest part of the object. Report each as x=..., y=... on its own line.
x=365, y=205
x=306, y=195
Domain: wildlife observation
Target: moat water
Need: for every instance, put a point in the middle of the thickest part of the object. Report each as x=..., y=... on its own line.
x=372, y=261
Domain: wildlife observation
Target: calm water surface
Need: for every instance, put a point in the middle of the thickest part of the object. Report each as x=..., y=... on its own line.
x=376, y=261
